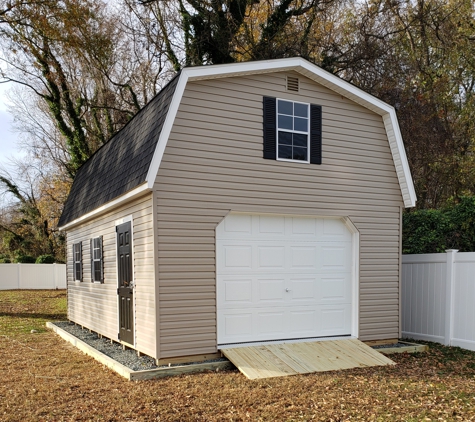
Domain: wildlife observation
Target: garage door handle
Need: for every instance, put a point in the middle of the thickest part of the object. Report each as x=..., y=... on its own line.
x=287, y=290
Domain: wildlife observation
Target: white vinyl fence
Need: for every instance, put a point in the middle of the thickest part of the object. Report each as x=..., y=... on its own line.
x=438, y=298
x=32, y=276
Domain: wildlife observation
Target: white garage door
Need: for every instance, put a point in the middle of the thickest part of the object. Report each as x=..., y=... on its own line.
x=282, y=278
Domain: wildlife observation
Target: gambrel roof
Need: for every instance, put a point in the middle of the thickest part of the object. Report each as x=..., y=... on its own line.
x=122, y=163
x=127, y=165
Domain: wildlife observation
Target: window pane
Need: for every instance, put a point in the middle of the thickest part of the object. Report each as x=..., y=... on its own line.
x=300, y=110
x=285, y=122
x=285, y=107
x=285, y=138
x=97, y=270
x=300, y=124
x=300, y=140
x=285, y=152
x=300, y=153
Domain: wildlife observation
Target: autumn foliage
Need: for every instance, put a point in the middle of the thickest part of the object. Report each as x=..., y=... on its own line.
x=83, y=68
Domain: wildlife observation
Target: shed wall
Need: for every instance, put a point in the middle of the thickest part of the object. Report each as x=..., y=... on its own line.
x=213, y=164
x=94, y=305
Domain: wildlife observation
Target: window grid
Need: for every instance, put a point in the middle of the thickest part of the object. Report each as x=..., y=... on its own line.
x=292, y=131
x=77, y=258
x=96, y=260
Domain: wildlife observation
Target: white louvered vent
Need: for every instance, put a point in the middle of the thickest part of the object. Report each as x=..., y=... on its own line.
x=292, y=83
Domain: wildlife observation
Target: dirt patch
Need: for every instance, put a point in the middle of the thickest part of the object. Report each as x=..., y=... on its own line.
x=43, y=378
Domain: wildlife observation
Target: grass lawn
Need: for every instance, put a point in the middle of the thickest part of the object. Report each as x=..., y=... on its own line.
x=43, y=378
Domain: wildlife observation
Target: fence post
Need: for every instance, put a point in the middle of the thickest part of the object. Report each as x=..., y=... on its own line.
x=55, y=281
x=18, y=273
x=449, y=294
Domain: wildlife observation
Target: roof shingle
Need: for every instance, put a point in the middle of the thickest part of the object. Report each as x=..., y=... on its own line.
x=122, y=163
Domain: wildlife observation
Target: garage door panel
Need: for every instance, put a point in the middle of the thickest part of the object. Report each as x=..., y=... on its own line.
x=282, y=323
x=270, y=257
x=237, y=225
x=282, y=277
x=335, y=320
x=303, y=257
x=303, y=289
x=236, y=326
x=270, y=226
x=237, y=257
x=271, y=324
x=334, y=289
x=304, y=322
x=271, y=290
x=334, y=257
x=238, y=292
x=306, y=228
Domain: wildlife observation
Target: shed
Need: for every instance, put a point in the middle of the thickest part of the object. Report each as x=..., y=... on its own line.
x=246, y=202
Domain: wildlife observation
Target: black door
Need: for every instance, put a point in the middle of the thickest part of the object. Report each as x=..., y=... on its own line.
x=125, y=290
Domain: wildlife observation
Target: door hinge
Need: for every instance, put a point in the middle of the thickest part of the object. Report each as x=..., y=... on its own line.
x=117, y=290
x=118, y=336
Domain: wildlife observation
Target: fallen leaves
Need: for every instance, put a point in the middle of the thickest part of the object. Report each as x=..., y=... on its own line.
x=43, y=379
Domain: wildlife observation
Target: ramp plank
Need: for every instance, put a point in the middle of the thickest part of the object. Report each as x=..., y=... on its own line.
x=278, y=360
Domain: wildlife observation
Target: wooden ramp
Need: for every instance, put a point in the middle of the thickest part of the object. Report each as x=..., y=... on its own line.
x=278, y=360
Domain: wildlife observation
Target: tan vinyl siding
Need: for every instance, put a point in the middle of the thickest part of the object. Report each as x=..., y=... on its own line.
x=95, y=305
x=213, y=165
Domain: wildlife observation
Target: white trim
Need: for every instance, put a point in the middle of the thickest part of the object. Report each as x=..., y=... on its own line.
x=166, y=129
x=355, y=282
x=355, y=277
x=291, y=160
x=311, y=71
x=123, y=220
x=139, y=190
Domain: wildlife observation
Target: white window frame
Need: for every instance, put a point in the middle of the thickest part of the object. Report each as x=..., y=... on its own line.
x=77, y=246
x=291, y=131
x=93, y=260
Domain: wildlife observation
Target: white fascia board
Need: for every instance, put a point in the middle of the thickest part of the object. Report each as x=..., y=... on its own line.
x=134, y=193
x=311, y=71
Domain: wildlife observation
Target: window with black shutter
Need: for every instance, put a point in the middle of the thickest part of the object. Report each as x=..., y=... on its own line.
x=292, y=131
x=97, y=264
x=77, y=261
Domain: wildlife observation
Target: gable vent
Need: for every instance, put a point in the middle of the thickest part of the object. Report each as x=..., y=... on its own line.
x=292, y=83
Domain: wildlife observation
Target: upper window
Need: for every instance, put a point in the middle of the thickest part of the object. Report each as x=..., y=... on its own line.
x=292, y=131
x=77, y=260
x=97, y=272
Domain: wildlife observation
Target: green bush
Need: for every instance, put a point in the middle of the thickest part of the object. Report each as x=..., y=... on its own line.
x=432, y=231
x=4, y=260
x=24, y=259
x=45, y=259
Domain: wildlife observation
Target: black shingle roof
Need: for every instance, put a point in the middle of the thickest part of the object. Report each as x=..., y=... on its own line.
x=122, y=163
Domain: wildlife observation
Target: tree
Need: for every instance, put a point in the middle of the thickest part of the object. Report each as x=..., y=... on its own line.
x=75, y=57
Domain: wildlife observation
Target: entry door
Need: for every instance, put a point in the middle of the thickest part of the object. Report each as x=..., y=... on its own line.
x=281, y=278
x=125, y=290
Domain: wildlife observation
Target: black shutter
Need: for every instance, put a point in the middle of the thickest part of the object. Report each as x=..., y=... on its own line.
x=74, y=262
x=270, y=128
x=92, y=260
x=315, y=134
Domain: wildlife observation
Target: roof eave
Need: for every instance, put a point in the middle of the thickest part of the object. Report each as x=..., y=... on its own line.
x=120, y=200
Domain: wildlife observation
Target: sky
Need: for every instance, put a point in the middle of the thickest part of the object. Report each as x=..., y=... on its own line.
x=8, y=139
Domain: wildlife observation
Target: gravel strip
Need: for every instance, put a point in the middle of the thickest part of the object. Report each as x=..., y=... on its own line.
x=394, y=345
x=114, y=350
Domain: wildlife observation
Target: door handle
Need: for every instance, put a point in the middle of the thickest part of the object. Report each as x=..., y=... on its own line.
x=287, y=290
